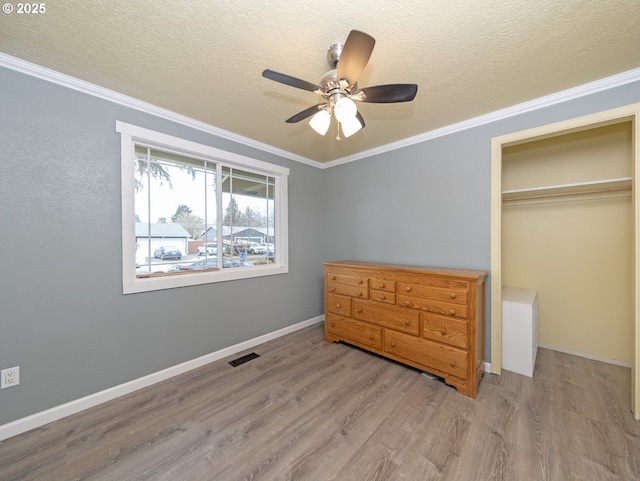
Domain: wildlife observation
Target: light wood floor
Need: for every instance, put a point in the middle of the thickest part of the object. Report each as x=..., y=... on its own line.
x=310, y=410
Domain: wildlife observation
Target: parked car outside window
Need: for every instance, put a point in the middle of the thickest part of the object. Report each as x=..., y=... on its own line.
x=167, y=252
x=211, y=249
x=256, y=248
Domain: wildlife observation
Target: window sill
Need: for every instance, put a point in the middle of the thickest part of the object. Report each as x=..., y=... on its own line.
x=156, y=282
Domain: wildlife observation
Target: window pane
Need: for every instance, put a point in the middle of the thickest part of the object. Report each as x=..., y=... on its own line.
x=248, y=212
x=175, y=204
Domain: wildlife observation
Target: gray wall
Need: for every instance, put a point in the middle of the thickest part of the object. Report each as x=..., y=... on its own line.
x=64, y=319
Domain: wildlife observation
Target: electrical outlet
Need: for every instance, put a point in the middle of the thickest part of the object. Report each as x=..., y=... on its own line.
x=10, y=377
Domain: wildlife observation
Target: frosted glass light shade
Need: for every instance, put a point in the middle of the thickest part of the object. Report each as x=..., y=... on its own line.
x=345, y=109
x=320, y=122
x=351, y=126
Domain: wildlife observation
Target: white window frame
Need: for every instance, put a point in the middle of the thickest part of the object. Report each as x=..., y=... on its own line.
x=132, y=134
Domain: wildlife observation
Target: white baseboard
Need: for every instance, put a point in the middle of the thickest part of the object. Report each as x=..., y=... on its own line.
x=585, y=355
x=44, y=417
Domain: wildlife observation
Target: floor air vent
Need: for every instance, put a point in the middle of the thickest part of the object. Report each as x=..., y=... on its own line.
x=243, y=359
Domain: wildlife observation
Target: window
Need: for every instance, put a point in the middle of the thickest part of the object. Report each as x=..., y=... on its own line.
x=193, y=214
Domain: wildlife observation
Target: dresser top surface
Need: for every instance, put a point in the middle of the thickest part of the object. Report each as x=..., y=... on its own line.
x=446, y=271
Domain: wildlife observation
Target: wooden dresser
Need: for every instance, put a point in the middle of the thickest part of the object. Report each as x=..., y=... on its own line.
x=426, y=317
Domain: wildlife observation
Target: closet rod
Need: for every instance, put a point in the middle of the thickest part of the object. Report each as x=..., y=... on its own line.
x=564, y=194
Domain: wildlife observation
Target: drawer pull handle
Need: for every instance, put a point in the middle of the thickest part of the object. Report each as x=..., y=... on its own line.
x=452, y=363
x=453, y=295
x=443, y=331
x=406, y=303
x=337, y=306
x=333, y=278
x=407, y=322
x=333, y=324
x=393, y=343
x=332, y=289
x=359, y=311
x=408, y=289
x=382, y=298
x=452, y=312
x=372, y=337
x=360, y=294
x=360, y=281
x=382, y=286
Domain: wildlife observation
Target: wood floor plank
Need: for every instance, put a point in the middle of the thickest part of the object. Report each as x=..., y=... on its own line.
x=308, y=410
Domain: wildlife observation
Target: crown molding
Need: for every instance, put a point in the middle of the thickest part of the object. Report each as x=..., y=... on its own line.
x=58, y=78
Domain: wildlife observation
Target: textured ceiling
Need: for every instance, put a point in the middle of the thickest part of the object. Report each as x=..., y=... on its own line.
x=204, y=58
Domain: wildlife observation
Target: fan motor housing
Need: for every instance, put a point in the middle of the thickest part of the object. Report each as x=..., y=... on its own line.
x=332, y=89
x=329, y=81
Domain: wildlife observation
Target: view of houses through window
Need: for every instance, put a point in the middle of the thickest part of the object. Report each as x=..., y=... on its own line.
x=195, y=214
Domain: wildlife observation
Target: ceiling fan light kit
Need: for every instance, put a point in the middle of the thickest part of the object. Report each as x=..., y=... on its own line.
x=350, y=126
x=339, y=88
x=320, y=122
x=345, y=109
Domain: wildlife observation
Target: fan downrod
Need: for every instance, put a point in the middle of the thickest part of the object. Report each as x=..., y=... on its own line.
x=333, y=54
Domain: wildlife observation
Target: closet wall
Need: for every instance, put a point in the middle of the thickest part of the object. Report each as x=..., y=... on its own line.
x=567, y=232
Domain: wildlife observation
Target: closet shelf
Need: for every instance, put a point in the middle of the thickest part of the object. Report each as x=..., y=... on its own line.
x=579, y=188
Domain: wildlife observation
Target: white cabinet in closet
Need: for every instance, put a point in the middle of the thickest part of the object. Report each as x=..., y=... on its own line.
x=519, y=330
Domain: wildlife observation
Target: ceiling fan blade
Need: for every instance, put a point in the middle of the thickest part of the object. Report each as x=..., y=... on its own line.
x=387, y=94
x=355, y=55
x=289, y=80
x=359, y=117
x=304, y=114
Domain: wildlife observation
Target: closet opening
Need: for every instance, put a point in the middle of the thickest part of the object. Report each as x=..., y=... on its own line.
x=565, y=222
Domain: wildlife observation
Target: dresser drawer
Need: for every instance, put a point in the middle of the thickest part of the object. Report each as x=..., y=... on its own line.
x=339, y=304
x=382, y=285
x=438, y=356
x=352, y=285
x=355, y=331
x=383, y=296
x=359, y=292
x=445, y=308
x=389, y=316
x=445, y=329
x=452, y=295
x=353, y=279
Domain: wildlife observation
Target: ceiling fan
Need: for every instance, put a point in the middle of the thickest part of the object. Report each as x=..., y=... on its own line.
x=339, y=87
